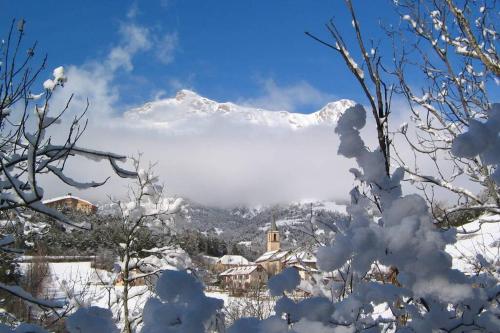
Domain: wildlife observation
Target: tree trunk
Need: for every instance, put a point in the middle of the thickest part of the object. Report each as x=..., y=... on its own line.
x=127, y=325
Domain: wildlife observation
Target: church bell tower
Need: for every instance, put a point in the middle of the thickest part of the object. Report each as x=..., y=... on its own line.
x=273, y=237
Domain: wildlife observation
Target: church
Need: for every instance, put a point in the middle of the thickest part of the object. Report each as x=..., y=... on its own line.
x=273, y=260
x=240, y=276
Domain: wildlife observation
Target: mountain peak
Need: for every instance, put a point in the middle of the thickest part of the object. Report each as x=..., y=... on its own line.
x=188, y=105
x=332, y=111
x=185, y=93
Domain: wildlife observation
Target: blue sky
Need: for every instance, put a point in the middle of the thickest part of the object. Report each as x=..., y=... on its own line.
x=250, y=51
x=121, y=54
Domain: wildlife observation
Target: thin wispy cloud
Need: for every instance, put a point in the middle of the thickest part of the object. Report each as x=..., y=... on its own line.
x=135, y=38
x=165, y=47
x=289, y=97
x=133, y=11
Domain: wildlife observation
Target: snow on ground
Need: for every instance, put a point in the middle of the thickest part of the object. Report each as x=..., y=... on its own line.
x=331, y=207
x=478, y=238
x=220, y=295
x=322, y=205
x=288, y=222
x=79, y=280
x=283, y=223
x=64, y=278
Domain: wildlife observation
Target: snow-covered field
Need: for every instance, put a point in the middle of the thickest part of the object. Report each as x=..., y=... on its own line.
x=478, y=243
x=64, y=278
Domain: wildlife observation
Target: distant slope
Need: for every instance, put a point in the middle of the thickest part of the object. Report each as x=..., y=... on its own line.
x=244, y=225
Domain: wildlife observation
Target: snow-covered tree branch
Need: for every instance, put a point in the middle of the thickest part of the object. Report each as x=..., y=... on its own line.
x=453, y=51
x=27, y=149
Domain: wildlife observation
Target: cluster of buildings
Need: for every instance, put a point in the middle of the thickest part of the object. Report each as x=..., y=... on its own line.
x=236, y=273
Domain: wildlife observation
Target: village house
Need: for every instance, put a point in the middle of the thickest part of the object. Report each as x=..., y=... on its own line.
x=305, y=258
x=243, y=278
x=304, y=262
x=70, y=202
x=272, y=261
x=229, y=261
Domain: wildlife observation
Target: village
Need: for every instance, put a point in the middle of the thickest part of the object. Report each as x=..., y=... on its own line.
x=231, y=274
x=237, y=275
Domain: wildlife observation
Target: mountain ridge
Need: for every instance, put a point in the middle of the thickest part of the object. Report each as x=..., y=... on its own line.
x=188, y=106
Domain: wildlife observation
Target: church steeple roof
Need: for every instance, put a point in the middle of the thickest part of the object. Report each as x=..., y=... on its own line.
x=273, y=224
x=273, y=237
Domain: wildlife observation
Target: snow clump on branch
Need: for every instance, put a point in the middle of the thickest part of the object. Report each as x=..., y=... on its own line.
x=287, y=280
x=483, y=139
x=58, y=80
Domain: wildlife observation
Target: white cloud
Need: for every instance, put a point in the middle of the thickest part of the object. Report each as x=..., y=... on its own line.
x=95, y=80
x=135, y=38
x=165, y=48
x=288, y=97
x=223, y=163
x=133, y=11
x=91, y=82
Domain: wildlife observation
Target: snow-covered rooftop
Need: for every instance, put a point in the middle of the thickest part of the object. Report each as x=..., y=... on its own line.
x=272, y=255
x=241, y=270
x=209, y=259
x=301, y=257
x=305, y=268
x=68, y=196
x=233, y=260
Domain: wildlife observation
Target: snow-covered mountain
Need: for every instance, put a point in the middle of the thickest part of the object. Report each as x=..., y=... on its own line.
x=188, y=106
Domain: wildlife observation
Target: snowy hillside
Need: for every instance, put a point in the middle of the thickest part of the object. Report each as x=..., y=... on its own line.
x=188, y=106
x=248, y=225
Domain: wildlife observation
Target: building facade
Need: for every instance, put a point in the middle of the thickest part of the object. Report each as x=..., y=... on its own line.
x=229, y=261
x=243, y=278
x=70, y=202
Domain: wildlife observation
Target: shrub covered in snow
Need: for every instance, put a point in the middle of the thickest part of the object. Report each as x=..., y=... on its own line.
x=483, y=139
